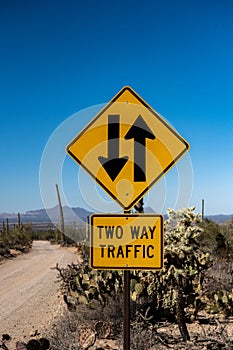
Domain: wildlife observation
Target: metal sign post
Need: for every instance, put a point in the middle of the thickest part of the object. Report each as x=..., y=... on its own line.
x=126, y=309
x=126, y=242
x=126, y=323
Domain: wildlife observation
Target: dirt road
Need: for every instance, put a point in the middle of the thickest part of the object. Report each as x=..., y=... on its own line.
x=29, y=296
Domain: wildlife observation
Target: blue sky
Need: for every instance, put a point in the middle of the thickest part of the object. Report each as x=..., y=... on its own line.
x=59, y=57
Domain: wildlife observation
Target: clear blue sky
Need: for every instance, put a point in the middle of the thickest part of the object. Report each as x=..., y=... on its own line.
x=59, y=57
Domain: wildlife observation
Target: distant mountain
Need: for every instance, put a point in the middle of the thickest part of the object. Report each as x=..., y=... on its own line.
x=50, y=215
x=220, y=218
x=75, y=214
x=149, y=210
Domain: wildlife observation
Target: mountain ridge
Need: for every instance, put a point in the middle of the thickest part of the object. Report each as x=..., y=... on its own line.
x=50, y=215
x=72, y=214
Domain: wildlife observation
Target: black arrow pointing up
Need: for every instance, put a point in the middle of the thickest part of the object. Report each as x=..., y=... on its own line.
x=113, y=164
x=139, y=131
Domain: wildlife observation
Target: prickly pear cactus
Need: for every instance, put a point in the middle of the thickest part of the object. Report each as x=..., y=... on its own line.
x=222, y=302
x=81, y=284
x=96, y=285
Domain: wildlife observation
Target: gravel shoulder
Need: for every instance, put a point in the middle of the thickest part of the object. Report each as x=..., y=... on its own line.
x=29, y=296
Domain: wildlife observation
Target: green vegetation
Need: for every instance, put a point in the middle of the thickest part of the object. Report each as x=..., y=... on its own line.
x=197, y=276
x=160, y=295
x=217, y=239
x=19, y=239
x=76, y=233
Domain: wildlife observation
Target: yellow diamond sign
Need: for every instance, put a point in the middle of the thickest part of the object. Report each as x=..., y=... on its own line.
x=127, y=147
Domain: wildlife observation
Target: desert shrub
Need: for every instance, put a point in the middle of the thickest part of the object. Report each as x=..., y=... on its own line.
x=227, y=230
x=48, y=235
x=77, y=234
x=178, y=285
x=166, y=292
x=217, y=238
x=17, y=239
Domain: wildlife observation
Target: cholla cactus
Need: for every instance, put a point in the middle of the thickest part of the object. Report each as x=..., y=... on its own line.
x=183, y=257
x=178, y=284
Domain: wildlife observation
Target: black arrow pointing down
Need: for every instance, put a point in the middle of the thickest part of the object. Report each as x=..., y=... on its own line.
x=112, y=163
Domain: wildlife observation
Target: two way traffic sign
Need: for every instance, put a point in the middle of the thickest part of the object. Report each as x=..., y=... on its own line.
x=124, y=241
x=127, y=147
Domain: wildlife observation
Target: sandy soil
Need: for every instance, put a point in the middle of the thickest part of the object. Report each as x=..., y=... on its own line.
x=29, y=296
